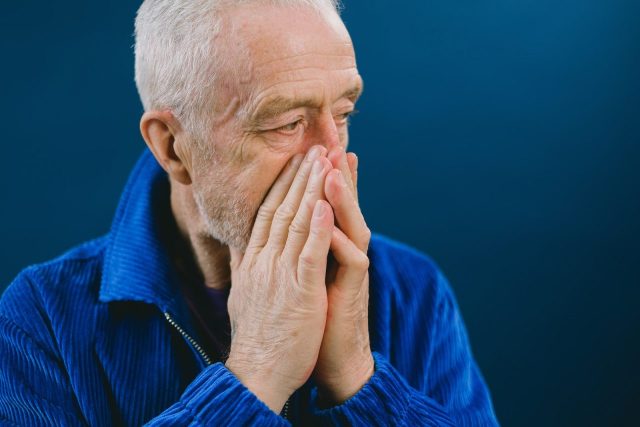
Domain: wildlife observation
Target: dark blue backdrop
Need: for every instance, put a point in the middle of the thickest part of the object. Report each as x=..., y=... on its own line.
x=500, y=137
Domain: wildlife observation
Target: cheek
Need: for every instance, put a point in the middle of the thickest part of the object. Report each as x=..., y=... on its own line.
x=258, y=178
x=254, y=165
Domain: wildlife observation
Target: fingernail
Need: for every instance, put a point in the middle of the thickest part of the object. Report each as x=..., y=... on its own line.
x=315, y=152
x=319, y=210
x=355, y=161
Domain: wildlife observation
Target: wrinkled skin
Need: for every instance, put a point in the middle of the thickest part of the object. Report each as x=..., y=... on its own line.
x=275, y=207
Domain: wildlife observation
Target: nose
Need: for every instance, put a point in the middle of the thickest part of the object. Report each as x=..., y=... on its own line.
x=324, y=132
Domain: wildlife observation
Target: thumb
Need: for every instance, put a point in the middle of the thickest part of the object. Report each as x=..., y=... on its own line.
x=236, y=258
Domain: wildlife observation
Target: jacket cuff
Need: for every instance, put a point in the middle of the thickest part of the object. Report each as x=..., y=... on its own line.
x=384, y=400
x=217, y=397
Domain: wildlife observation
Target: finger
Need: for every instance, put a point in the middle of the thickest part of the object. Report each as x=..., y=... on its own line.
x=299, y=228
x=236, y=258
x=353, y=261
x=312, y=263
x=338, y=158
x=347, y=212
x=277, y=193
x=289, y=206
x=352, y=159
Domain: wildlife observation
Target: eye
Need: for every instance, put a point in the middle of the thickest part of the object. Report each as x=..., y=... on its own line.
x=345, y=118
x=290, y=128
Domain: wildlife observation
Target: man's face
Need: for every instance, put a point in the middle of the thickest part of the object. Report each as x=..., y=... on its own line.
x=290, y=83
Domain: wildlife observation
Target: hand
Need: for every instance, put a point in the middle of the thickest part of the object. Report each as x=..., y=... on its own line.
x=345, y=362
x=278, y=300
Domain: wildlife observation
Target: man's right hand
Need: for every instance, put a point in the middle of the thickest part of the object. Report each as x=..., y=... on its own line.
x=278, y=299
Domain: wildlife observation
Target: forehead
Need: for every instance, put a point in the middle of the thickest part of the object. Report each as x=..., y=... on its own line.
x=276, y=47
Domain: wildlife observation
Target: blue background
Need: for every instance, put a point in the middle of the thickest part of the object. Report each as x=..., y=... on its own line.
x=502, y=138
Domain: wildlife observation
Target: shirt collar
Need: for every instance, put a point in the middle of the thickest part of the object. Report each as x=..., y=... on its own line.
x=137, y=265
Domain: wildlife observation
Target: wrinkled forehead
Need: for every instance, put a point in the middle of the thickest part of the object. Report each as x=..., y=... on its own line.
x=264, y=40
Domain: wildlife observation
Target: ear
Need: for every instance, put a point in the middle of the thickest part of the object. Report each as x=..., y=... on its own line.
x=164, y=137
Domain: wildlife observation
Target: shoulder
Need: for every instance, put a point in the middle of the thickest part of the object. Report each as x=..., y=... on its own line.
x=406, y=275
x=55, y=288
x=391, y=259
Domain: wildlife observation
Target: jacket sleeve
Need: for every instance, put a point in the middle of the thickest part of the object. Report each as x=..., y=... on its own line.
x=217, y=397
x=35, y=388
x=455, y=393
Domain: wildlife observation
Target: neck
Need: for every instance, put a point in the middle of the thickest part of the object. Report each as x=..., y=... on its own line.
x=202, y=253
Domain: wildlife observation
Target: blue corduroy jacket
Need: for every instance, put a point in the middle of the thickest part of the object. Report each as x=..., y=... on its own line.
x=102, y=336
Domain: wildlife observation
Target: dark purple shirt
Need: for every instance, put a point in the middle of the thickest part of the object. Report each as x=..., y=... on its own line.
x=211, y=318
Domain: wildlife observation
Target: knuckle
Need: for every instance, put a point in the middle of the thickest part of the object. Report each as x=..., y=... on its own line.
x=254, y=248
x=361, y=262
x=307, y=262
x=366, y=234
x=296, y=228
x=309, y=203
x=319, y=233
x=284, y=213
x=265, y=213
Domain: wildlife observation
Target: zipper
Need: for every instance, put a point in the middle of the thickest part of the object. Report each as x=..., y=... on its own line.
x=206, y=358
x=188, y=337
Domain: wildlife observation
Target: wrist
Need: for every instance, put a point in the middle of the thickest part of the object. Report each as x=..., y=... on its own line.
x=343, y=387
x=266, y=388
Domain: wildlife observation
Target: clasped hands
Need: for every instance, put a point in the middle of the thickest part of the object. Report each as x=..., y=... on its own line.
x=299, y=298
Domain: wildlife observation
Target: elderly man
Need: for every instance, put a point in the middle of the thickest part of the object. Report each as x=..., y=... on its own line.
x=239, y=283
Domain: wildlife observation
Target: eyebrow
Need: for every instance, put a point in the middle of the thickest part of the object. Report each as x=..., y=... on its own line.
x=280, y=104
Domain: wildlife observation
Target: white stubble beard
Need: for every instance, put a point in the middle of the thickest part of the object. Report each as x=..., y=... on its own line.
x=225, y=208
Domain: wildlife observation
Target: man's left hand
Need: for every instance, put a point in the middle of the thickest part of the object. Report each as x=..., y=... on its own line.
x=345, y=362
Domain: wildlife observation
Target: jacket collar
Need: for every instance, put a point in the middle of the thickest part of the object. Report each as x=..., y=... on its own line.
x=137, y=265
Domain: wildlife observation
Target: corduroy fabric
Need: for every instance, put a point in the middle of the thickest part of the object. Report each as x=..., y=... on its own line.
x=84, y=339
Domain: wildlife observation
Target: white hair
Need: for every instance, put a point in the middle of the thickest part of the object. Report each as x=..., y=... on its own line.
x=176, y=57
